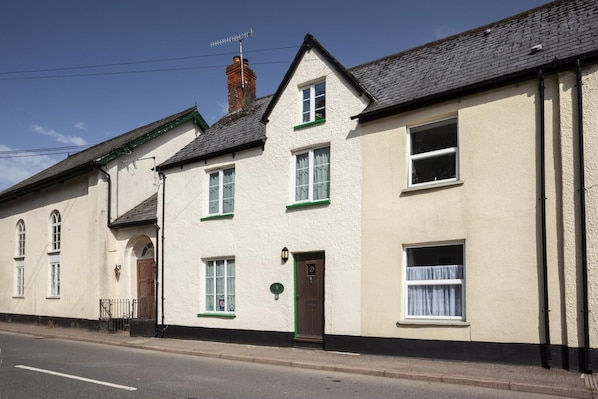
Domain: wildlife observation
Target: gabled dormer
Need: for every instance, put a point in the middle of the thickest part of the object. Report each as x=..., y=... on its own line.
x=312, y=92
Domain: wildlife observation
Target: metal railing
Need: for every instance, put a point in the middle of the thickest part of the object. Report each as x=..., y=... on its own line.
x=116, y=314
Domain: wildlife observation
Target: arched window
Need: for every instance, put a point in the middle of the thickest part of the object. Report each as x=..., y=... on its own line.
x=20, y=260
x=20, y=239
x=55, y=227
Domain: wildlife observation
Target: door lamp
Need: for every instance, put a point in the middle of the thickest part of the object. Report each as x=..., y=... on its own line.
x=284, y=254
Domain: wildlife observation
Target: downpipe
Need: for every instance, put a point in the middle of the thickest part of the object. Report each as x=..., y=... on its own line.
x=163, y=177
x=546, y=308
x=582, y=218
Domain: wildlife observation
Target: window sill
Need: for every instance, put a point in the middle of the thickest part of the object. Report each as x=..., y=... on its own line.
x=53, y=297
x=18, y=297
x=17, y=258
x=308, y=203
x=431, y=186
x=218, y=315
x=433, y=323
x=54, y=252
x=308, y=124
x=222, y=216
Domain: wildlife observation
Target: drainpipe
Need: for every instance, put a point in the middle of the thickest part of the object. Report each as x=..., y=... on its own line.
x=582, y=212
x=163, y=224
x=157, y=283
x=109, y=194
x=546, y=309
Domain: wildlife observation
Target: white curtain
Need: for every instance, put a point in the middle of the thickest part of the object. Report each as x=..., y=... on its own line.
x=228, y=191
x=214, y=192
x=230, y=285
x=435, y=299
x=321, y=174
x=302, y=177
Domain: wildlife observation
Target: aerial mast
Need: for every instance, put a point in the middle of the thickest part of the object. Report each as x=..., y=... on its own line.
x=236, y=38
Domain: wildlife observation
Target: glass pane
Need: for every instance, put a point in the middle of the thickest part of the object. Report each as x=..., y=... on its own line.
x=439, y=272
x=320, y=88
x=228, y=191
x=435, y=300
x=306, y=93
x=221, y=304
x=321, y=174
x=214, y=193
x=219, y=268
x=435, y=255
x=210, y=285
x=220, y=280
x=230, y=299
x=441, y=167
x=210, y=271
x=320, y=102
x=230, y=268
x=435, y=136
x=306, y=106
x=302, y=177
x=210, y=303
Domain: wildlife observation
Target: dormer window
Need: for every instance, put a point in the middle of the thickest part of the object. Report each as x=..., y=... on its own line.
x=314, y=103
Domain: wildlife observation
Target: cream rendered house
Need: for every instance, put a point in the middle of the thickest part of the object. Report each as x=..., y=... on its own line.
x=474, y=226
x=84, y=230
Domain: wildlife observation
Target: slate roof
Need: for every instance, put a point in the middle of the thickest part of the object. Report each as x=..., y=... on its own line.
x=86, y=160
x=479, y=59
x=144, y=213
x=236, y=131
x=482, y=58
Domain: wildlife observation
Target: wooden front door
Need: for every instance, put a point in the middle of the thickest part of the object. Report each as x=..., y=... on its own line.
x=309, y=275
x=146, y=298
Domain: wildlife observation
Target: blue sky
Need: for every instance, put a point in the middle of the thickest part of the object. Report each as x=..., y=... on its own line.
x=78, y=72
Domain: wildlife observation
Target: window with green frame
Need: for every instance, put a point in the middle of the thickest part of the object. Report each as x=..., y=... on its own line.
x=220, y=285
x=314, y=103
x=221, y=192
x=312, y=175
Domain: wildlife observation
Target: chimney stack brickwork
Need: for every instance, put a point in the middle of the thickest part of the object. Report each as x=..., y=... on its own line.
x=239, y=96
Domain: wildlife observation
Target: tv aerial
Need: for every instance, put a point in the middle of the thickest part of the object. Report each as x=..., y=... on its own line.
x=235, y=38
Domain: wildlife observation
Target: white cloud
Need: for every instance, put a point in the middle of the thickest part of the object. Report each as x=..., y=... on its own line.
x=81, y=126
x=16, y=167
x=61, y=138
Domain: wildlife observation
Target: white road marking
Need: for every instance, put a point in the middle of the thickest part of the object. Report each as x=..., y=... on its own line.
x=74, y=377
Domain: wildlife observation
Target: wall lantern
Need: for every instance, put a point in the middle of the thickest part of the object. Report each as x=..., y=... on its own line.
x=117, y=270
x=284, y=254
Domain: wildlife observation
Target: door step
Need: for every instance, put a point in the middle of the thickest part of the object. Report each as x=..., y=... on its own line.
x=309, y=342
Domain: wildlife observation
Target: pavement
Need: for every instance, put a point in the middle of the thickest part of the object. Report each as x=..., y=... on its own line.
x=532, y=379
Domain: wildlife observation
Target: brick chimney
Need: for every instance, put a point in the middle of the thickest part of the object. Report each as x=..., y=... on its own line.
x=240, y=95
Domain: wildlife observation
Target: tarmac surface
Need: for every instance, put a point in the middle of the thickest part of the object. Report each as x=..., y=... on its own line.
x=533, y=379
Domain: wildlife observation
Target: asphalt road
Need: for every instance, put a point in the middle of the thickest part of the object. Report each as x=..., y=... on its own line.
x=35, y=368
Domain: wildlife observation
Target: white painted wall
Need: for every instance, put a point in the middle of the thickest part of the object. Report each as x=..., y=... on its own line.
x=262, y=225
x=90, y=250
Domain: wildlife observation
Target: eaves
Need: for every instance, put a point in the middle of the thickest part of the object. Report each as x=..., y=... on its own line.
x=204, y=157
x=50, y=181
x=515, y=77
